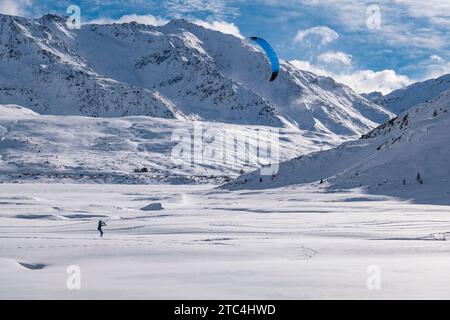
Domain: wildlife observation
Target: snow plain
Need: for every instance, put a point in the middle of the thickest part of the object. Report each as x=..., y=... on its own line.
x=288, y=243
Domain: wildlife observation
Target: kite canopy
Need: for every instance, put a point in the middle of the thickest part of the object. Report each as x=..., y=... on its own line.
x=271, y=54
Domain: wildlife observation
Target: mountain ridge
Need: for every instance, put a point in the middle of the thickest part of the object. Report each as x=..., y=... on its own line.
x=179, y=71
x=405, y=157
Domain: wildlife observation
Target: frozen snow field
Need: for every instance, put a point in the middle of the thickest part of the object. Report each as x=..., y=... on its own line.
x=289, y=243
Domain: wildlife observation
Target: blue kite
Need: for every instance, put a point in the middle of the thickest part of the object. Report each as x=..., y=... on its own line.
x=271, y=54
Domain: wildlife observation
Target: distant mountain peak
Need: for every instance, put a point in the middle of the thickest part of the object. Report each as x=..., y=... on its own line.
x=403, y=99
x=53, y=17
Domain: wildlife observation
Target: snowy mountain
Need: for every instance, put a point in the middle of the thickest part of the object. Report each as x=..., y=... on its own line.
x=401, y=100
x=41, y=71
x=177, y=71
x=406, y=156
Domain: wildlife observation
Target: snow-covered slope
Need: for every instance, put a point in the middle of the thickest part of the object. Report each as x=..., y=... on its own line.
x=406, y=156
x=401, y=100
x=34, y=147
x=179, y=70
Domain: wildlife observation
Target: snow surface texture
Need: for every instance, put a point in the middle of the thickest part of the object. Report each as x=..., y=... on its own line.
x=290, y=243
x=403, y=99
x=408, y=157
x=176, y=71
x=109, y=150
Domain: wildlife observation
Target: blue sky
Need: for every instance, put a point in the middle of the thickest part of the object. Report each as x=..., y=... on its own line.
x=368, y=45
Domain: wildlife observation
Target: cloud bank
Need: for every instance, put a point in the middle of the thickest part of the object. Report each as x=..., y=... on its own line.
x=362, y=81
x=14, y=7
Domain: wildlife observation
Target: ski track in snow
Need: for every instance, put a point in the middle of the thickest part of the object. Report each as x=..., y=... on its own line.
x=293, y=243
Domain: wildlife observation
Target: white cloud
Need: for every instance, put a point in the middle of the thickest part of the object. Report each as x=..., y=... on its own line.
x=436, y=58
x=361, y=81
x=14, y=7
x=435, y=67
x=216, y=9
x=429, y=8
x=441, y=21
x=384, y=81
x=403, y=35
x=324, y=33
x=404, y=23
x=222, y=26
x=307, y=66
x=335, y=57
x=353, y=13
x=143, y=19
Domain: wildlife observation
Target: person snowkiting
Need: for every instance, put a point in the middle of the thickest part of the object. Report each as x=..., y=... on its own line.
x=99, y=228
